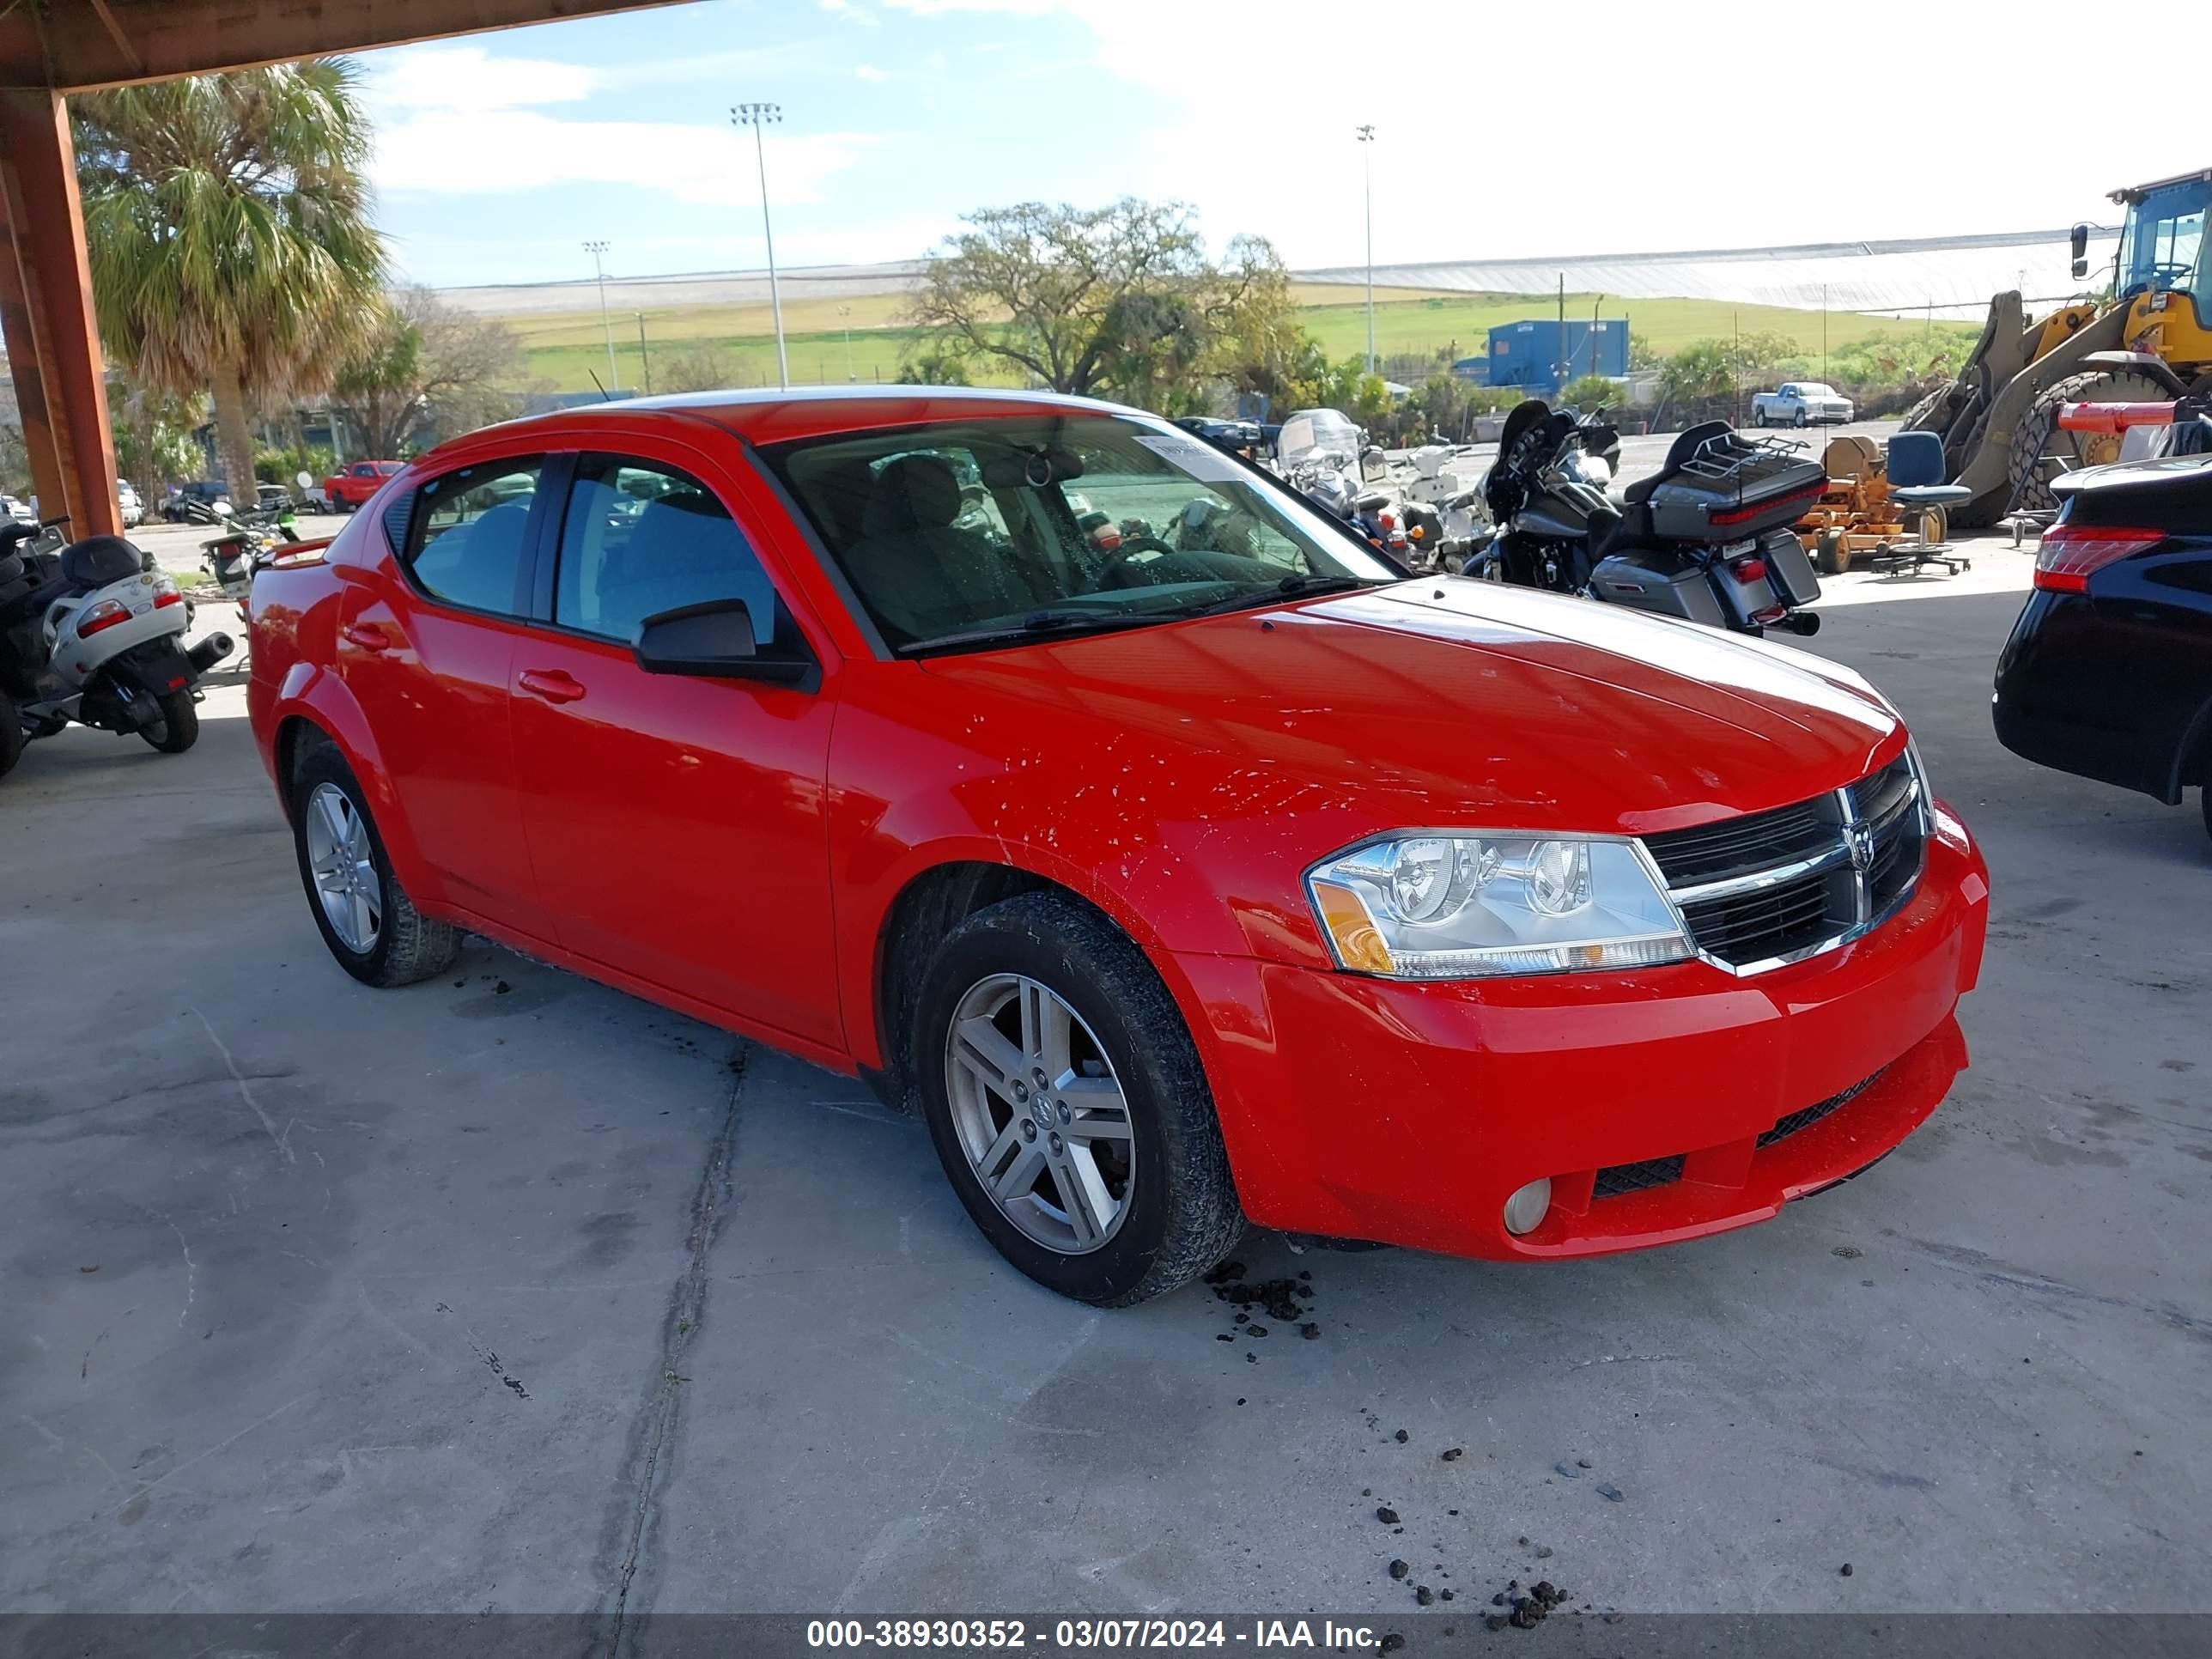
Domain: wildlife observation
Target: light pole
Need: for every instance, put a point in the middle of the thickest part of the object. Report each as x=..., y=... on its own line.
x=1367, y=137
x=757, y=116
x=845, y=316
x=606, y=328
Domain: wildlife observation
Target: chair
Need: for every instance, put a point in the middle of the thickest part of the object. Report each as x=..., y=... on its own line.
x=1916, y=485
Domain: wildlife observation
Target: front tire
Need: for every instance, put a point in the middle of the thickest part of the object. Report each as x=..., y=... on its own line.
x=1068, y=1105
x=364, y=915
x=177, y=727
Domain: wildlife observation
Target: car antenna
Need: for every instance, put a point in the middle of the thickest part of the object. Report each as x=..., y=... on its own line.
x=605, y=397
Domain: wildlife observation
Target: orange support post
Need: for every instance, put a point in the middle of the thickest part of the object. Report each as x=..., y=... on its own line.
x=46, y=315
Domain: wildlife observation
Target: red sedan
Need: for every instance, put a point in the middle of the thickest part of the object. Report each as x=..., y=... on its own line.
x=1222, y=874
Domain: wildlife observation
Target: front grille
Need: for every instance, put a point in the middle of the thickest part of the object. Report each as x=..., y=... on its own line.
x=1622, y=1178
x=1773, y=885
x=1807, y=1117
x=1735, y=847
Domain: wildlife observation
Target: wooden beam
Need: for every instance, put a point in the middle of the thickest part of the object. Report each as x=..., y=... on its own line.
x=115, y=33
x=46, y=314
x=89, y=43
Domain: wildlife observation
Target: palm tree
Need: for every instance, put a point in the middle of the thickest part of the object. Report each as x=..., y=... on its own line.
x=228, y=220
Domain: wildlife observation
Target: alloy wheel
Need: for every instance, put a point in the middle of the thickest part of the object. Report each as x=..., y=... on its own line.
x=1039, y=1113
x=343, y=865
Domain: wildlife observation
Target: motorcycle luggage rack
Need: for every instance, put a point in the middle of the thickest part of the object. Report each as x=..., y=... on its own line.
x=1721, y=458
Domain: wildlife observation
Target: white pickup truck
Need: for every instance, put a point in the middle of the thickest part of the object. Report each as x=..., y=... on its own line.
x=1801, y=403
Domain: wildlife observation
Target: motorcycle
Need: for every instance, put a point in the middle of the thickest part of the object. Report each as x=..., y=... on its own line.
x=91, y=632
x=249, y=541
x=1706, y=539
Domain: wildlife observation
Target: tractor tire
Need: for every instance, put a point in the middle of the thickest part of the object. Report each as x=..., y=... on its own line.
x=1915, y=418
x=2038, y=432
x=1831, y=557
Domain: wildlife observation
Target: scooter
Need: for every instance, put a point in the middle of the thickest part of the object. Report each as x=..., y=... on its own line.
x=1705, y=539
x=91, y=632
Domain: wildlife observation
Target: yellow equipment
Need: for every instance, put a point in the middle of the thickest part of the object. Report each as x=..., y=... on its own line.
x=2149, y=336
x=1854, y=515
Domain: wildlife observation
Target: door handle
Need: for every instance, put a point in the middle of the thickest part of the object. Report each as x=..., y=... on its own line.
x=368, y=639
x=550, y=683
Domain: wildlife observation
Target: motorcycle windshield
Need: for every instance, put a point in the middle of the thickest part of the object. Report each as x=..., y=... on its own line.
x=1312, y=432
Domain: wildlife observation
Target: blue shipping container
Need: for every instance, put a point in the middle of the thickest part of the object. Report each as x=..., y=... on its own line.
x=1529, y=355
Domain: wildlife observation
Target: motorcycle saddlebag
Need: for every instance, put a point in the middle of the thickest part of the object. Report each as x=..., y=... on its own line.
x=1661, y=583
x=1788, y=570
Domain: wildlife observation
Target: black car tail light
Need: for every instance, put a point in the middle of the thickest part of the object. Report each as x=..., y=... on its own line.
x=2072, y=553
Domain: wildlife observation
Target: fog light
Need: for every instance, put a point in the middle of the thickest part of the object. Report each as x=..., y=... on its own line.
x=1526, y=1209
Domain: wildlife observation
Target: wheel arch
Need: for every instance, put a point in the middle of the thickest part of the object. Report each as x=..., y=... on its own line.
x=314, y=705
x=928, y=904
x=2192, y=758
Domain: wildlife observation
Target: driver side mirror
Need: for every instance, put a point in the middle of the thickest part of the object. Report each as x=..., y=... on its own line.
x=715, y=640
x=2078, y=245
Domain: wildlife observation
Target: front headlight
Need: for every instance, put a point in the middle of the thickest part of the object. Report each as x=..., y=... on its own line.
x=1475, y=906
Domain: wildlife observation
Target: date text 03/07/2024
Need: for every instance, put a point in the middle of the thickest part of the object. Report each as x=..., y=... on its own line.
x=1078, y=1634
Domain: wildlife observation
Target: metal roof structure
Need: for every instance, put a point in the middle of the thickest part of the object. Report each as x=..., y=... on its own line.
x=1942, y=276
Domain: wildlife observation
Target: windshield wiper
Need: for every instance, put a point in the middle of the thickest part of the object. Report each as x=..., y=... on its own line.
x=1072, y=618
x=1289, y=588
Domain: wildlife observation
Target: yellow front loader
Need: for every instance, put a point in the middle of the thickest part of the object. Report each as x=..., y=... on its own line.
x=2146, y=337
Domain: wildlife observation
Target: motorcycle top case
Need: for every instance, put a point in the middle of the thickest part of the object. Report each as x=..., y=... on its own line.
x=1733, y=488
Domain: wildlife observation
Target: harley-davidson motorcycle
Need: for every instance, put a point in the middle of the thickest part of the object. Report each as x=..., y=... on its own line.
x=1706, y=539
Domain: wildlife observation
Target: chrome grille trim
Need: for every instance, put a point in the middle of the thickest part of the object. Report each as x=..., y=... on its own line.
x=1861, y=842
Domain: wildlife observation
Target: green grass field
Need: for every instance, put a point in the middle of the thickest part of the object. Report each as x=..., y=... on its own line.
x=564, y=351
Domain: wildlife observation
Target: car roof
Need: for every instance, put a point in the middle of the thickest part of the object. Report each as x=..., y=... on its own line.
x=774, y=416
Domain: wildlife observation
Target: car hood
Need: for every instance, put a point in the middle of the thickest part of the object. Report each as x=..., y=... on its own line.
x=1450, y=702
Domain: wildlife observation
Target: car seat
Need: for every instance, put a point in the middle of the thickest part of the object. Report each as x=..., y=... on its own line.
x=917, y=572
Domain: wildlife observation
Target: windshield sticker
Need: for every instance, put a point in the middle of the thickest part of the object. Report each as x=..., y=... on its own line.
x=1194, y=456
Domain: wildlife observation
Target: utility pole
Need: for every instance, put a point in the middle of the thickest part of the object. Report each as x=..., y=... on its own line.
x=757, y=116
x=845, y=316
x=1562, y=365
x=1824, y=333
x=1367, y=137
x=606, y=328
x=644, y=357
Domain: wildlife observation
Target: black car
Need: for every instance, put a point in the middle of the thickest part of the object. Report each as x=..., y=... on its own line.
x=2108, y=673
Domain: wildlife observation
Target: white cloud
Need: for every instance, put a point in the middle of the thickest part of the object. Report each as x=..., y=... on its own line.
x=451, y=77
x=469, y=152
x=1661, y=146
x=870, y=72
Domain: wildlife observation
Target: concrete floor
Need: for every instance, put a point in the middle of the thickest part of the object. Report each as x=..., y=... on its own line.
x=507, y=1291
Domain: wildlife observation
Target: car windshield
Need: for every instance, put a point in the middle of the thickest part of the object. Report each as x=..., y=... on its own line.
x=999, y=529
x=1815, y=389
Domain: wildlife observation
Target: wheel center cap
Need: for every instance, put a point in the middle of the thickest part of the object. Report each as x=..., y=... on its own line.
x=1041, y=1109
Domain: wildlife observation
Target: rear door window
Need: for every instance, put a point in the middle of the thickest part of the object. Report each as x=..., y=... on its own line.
x=471, y=534
x=639, y=538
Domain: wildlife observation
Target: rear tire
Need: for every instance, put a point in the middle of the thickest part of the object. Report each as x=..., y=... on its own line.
x=402, y=945
x=178, y=726
x=1119, y=1038
x=1831, y=558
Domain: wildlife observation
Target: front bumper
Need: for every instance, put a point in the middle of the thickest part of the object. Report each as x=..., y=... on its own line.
x=1406, y=1113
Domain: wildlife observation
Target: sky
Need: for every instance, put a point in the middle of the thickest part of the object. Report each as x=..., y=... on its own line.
x=1501, y=131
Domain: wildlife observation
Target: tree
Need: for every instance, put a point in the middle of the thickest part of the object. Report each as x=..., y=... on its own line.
x=1052, y=291
x=1592, y=391
x=701, y=367
x=935, y=366
x=424, y=361
x=226, y=218
x=154, y=441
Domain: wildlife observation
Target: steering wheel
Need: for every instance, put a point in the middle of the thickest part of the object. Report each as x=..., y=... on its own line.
x=1109, y=574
